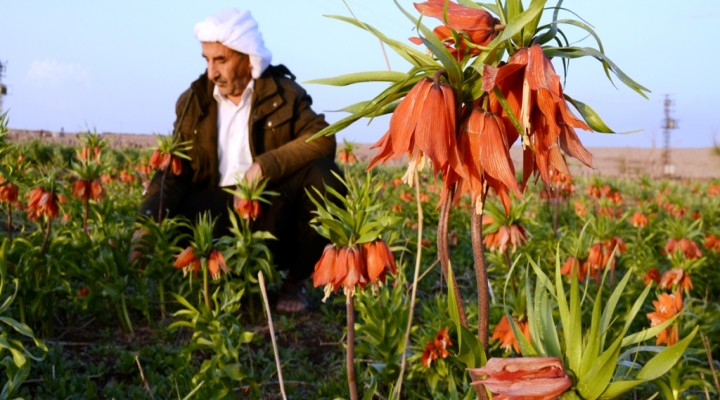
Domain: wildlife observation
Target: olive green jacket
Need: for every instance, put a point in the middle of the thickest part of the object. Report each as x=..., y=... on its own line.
x=281, y=120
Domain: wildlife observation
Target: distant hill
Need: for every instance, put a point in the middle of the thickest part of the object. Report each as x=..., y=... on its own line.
x=692, y=163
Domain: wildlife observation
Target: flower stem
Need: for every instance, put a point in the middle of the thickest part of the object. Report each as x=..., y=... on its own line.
x=483, y=292
x=85, y=217
x=206, y=285
x=443, y=249
x=124, y=316
x=350, y=355
x=398, y=386
x=48, y=228
x=162, y=192
x=9, y=223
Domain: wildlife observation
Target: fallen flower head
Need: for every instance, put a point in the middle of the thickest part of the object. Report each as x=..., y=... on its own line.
x=529, y=378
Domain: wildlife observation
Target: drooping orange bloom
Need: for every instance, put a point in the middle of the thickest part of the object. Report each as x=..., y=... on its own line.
x=187, y=261
x=666, y=306
x=534, y=94
x=88, y=152
x=86, y=189
x=580, y=209
x=685, y=246
x=42, y=203
x=523, y=378
x=216, y=264
x=247, y=209
x=423, y=127
x=676, y=278
x=711, y=242
x=513, y=235
x=639, y=220
x=506, y=336
x=438, y=348
x=161, y=161
x=8, y=191
x=571, y=263
x=485, y=152
x=350, y=266
x=652, y=275
x=126, y=177
x=346, y=157
x=478, y=25
x=713, y=190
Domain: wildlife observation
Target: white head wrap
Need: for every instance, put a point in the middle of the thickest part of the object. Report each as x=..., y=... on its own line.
x=237, y=30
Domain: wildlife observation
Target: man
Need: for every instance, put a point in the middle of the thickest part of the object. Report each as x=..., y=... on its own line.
x=248, y=119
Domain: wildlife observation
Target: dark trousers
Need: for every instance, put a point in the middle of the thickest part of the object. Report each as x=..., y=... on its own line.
x=298, y=246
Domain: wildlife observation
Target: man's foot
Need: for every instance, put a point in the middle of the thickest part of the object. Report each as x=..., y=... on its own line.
x=292, y=297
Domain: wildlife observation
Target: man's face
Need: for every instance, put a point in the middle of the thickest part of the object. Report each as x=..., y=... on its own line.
x=228, y=69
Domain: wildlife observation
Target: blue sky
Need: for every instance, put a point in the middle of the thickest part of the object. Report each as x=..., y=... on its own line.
x=119, y=66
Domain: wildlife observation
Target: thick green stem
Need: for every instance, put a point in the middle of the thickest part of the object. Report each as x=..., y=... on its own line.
x=350, y=355
x=162, y=193
x=444, y=251
x=85, y=217
x=483, y=291
x=9, y=223
x=125, y=316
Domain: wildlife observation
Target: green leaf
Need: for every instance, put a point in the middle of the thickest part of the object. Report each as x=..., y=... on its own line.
x=589, y=115
x=360, y=77
x=666, y=359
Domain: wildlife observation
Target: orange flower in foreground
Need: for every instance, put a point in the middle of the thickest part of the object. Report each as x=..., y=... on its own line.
x=42, y=203
x=526, y=378
x=247, y=209
x=423, y=127
x=187, y=261
x=216, y=264
x=485, y=150
x=534, y=93
x=506, y=336
x=666, y=306
x=350, y=266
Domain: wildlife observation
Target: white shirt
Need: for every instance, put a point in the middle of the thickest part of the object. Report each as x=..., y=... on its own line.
x=234, y=156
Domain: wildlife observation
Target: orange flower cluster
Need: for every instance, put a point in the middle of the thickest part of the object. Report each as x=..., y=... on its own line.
x=126, y=177
x=514, y=235
x=476, y=27
x=506, y=336
x=8, y=191
x=246, y=208
x=711, y=242
x=350, y=266
x=346, y=157
x=639, y=220
x=188, y=261
x=561, y=187
x=605, y=191
x=438, y=348
x=90, y=152
x=42, y=203
x=86, y=189
x=713, y=190
x=161, y=161
x=685, y=246
x=599, y=257
x=526, y=378
x=676, y=278
x=666, y=306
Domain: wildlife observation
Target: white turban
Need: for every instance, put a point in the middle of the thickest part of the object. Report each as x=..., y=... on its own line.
x=237, y=30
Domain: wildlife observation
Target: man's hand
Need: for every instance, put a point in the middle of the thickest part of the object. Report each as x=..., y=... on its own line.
x=254, y=173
